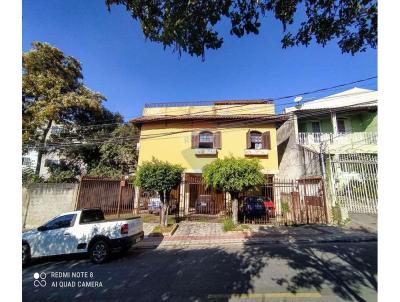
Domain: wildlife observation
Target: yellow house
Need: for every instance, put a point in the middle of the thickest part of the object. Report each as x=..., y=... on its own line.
x=195, y=134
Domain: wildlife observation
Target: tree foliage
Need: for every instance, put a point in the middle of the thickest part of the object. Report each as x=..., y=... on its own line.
x=191, y=25
x=29, y=177
x=158, y=176
x=118, y=156
x=99, y=151
x=233, y=175
x=161, y=177
x=53, y=93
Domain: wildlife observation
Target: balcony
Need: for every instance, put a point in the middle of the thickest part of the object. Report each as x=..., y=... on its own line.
x=347, y=142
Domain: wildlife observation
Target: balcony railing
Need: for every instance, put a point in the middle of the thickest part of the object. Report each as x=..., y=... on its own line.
x=347, y=139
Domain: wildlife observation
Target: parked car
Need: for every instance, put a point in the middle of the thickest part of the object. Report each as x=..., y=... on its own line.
x=83, y=231
x=205, y=205
x=155, y=206
x=270, y=207
x=252, y=207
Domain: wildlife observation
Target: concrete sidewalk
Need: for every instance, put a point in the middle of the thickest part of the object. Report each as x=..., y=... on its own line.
x=211, y=234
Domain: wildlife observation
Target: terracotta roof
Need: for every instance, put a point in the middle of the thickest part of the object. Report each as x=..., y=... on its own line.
x=239, y=117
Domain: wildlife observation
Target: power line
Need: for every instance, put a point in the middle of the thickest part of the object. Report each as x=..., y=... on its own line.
x=169, y=134
x=241, y=105
x=261, y=110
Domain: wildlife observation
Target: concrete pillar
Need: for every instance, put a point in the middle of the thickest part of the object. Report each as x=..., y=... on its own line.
x=136, y=201
x=187, y=197
x=182, y=201
x=296, y=127
x=334, y=123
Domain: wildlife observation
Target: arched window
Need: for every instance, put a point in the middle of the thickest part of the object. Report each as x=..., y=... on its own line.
x=206, y=139
x=255, y=140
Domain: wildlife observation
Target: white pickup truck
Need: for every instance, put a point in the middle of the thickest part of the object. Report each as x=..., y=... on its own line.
x=83, y=231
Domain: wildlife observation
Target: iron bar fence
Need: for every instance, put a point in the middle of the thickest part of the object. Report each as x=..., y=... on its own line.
x=354, y=181
x=282, y=201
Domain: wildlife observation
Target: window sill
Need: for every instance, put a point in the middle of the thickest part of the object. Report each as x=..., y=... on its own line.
x=256, y=152
x=205, y=151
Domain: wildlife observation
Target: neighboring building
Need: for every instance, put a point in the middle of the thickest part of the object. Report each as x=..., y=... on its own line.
x=335, y=136
x=29, y=160
x=342, y=123
x=195, y=134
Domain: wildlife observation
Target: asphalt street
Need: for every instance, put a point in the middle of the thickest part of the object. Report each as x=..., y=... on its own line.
x=318, y=272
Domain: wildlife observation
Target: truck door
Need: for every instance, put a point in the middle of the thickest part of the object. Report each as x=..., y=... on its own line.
x=55, y=238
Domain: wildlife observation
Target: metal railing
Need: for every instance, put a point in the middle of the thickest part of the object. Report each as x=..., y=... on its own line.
x=339, y=139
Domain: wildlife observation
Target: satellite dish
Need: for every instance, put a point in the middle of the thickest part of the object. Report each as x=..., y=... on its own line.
x=298, y=99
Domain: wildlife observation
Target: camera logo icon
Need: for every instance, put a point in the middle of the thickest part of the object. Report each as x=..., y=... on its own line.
x=39, y=279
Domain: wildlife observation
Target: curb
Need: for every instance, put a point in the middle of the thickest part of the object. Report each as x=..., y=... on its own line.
x=260, y=242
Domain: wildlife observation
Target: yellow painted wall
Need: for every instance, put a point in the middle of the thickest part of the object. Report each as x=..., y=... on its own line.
x=212, y=110
x=176, y=148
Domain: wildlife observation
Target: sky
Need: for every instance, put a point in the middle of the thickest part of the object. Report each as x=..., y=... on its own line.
x=129, y=71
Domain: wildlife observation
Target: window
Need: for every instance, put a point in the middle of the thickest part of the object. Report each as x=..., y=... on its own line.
x=60, y=222
x=255, y=140
x=56, y=130
x=206, y=140
x=51, y=162
x=88, y=216
x=316, y=129
x=341, y=126
x=26, y=161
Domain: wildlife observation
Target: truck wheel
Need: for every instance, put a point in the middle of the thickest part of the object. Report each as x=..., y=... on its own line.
x=26, y=254
x=99, y=252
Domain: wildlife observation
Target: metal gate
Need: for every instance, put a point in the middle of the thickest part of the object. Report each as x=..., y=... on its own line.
x=200, y=202
x=300, y=201
x=354, y=182
x=114, y=197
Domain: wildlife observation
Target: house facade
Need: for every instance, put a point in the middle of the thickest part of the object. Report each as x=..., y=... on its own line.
x=195, y=134
x=334, y=137
x=343, y=123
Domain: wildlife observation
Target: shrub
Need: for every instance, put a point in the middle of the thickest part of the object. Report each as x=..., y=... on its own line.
x=228, y=225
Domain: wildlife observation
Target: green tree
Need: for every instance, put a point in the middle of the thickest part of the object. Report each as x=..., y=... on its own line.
x=191, y=26
x=53, y=93
x=161, y=177
x=118, y=156
x=233, y=175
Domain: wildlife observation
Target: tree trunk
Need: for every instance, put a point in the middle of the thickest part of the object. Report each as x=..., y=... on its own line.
x=41, y=148
x=235, y=208
x=164, y=197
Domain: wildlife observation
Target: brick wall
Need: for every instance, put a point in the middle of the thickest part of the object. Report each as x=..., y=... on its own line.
x=41, y=202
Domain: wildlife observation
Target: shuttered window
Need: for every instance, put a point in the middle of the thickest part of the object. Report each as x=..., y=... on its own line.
x=257, y=140
x=266, y=140
x=206, y=140
x=217, y=140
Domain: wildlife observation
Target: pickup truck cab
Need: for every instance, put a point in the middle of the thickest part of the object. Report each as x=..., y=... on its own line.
x=83, y=231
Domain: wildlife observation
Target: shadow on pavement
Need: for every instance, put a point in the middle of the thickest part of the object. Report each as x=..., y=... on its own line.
x=212, y=273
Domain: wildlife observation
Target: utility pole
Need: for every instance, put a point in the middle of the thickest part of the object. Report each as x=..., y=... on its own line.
x=322, y=159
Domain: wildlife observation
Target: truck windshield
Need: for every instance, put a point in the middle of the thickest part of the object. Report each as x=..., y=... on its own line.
x=91, y=216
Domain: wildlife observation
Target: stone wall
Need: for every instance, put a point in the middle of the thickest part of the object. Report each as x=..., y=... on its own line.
x=41, y=202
